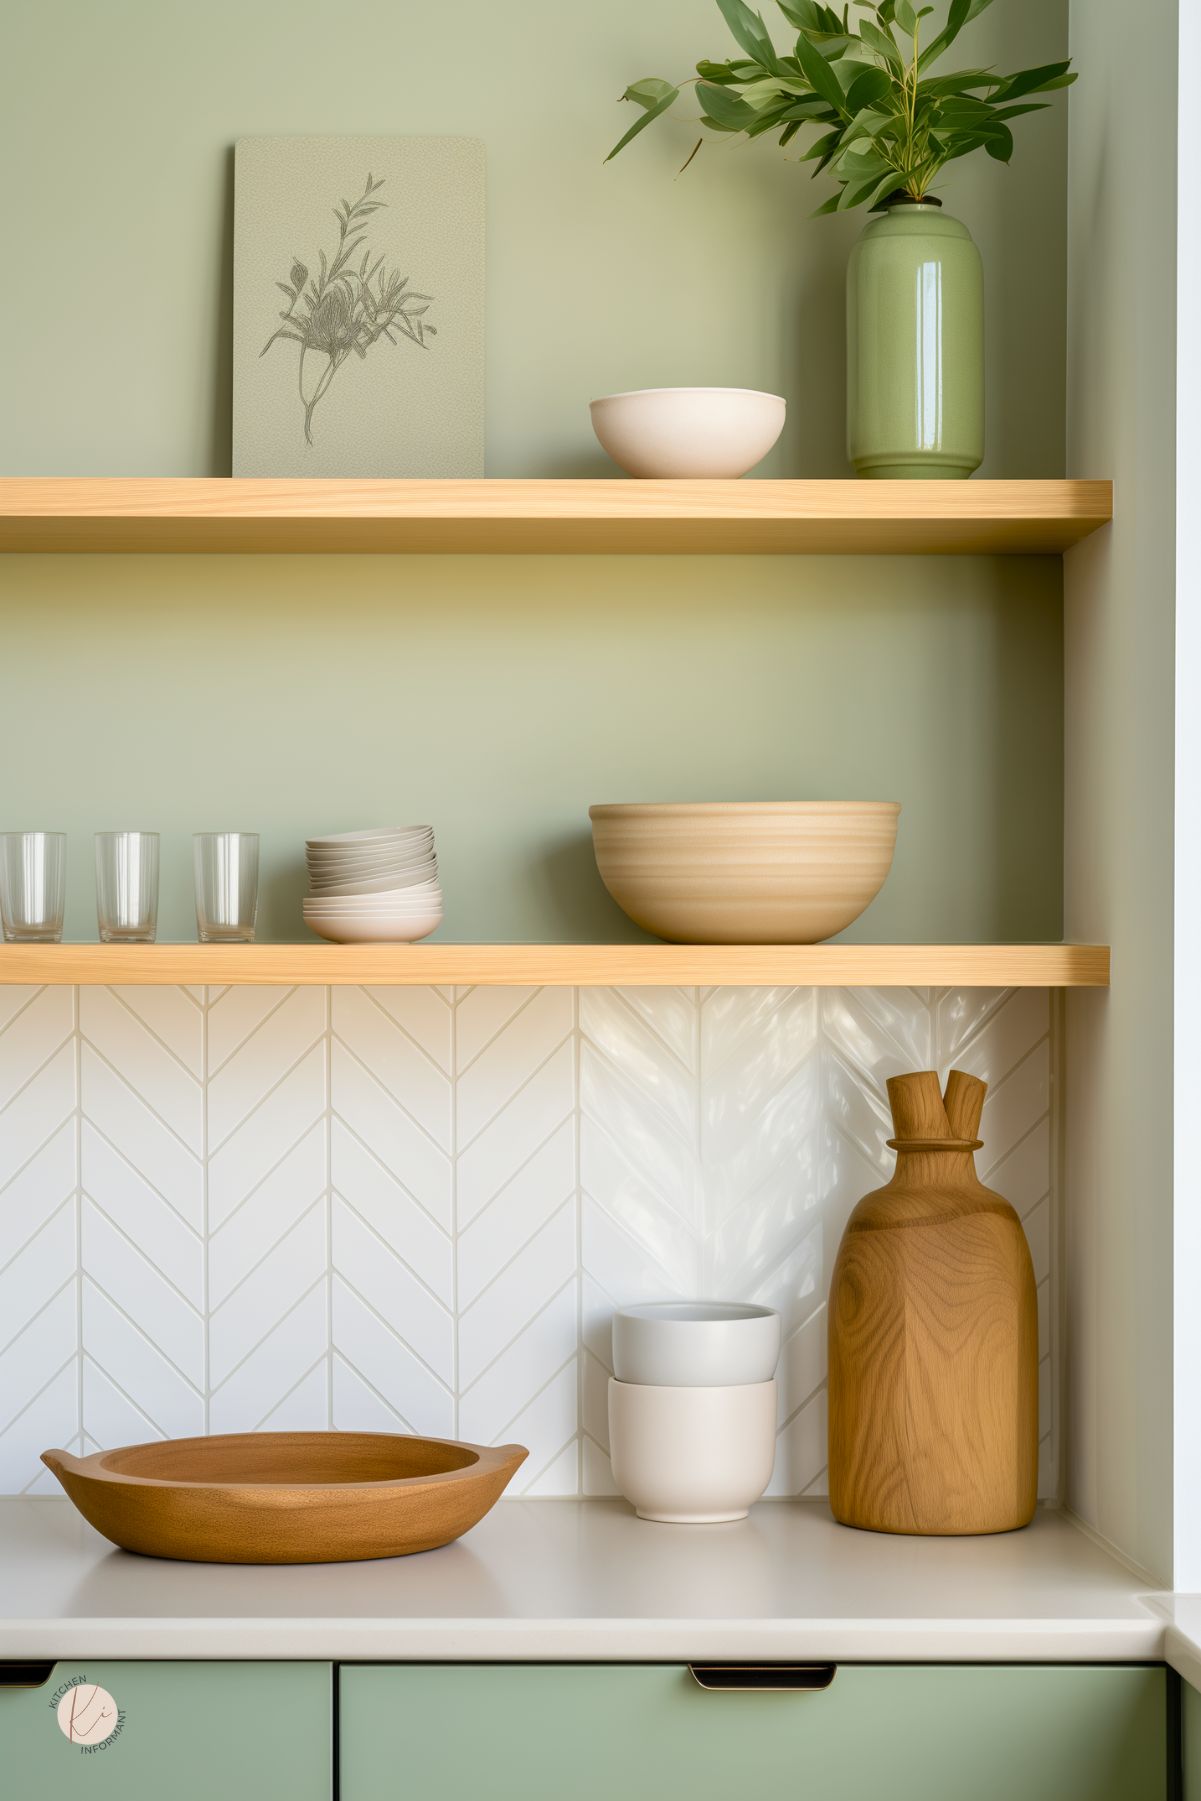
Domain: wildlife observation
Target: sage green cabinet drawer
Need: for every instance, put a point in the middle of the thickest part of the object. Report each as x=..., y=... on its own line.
x=189, y=1731
x=1190, y=1727
x=647, y=1732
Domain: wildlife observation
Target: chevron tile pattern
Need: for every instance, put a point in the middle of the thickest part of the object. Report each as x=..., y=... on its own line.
x=39, y=1225
x=414, y=1209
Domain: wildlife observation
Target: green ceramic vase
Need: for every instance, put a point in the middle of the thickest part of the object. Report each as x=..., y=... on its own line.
x=915, y=347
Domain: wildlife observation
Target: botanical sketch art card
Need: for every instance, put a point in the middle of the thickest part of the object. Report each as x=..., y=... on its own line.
x=359, y=307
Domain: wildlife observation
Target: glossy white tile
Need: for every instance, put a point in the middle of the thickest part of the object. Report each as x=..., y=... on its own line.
x=415, y=1209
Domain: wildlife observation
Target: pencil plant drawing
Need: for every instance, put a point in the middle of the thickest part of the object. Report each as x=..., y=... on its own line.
x=340, y=309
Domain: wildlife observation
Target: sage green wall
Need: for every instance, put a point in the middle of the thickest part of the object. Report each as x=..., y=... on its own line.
x=500, y=697
x=1119, y=611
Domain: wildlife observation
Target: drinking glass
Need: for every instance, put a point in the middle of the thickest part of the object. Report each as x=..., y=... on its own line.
x=33, y=884
x=127, y=886
x=227, y=886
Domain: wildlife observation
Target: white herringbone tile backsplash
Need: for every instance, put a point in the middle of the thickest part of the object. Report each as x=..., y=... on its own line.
x=414, y=1209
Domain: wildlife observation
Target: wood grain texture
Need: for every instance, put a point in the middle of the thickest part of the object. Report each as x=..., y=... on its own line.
x=758, y=872
x=933, y=1337
x=564, y=965
x=286, y=1497
x=39, y=513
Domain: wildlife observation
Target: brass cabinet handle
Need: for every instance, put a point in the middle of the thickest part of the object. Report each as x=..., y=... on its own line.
x=763, y=1678
x=26, y=1675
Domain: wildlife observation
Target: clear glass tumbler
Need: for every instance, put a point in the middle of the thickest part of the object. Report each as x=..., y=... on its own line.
x=227, y=886
x=127, y=886
x=33, y=886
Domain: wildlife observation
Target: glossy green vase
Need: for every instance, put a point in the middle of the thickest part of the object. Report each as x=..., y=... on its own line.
x=915, y=347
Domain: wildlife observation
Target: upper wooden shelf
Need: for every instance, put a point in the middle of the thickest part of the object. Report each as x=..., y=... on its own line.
x=566, y=965
x=769, y=517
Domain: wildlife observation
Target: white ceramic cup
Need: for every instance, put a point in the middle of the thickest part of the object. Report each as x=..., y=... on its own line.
x=692, y=1456
x=695, y=1344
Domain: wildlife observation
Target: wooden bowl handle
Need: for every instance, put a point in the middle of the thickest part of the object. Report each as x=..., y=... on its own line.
x=58, y=1461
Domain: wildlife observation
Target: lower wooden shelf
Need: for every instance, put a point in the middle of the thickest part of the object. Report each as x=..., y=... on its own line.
x=566, y=965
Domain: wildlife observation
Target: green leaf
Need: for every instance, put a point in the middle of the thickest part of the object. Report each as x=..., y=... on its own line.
x=641, y=124
x=961, y=13
x=822, y=149
x=813, y=107
x=819, y=75
x=1035, y=81
x=867, y=89
x=1015, y=112
x=748, y=31
x=963, y=111
x=724, y=106
x=906, y=17
x=854, y=195
x=890, y=184
x=767, y=121
x=772, y=88
x=801, y=13
x=814, y=21
x=963, y=83
x=882, y=43
x=649, y=90
x=999, y=143
x=869, y=127
x=855, y=166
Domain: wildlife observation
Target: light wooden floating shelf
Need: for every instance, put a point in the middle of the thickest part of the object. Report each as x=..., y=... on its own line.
x=566, y=965
x=718, y=517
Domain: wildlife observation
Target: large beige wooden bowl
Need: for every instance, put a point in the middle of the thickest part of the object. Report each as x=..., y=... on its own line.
x=756, y=872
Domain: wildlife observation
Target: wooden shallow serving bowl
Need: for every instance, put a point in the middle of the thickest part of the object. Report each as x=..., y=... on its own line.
x=287, y=1497
x=756, y=872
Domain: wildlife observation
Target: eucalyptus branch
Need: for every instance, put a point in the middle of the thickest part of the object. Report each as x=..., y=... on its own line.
x=340, y=309
x=887, y=127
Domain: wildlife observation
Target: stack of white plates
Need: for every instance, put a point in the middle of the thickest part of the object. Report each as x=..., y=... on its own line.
x=374, y=887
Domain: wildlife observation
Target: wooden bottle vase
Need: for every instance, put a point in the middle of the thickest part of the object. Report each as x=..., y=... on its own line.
x=933, y=1336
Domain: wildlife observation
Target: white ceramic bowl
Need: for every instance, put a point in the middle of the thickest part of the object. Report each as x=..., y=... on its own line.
x=379, y=834
x=366, y=859
x=400, y=900
x=420, y=876
x=688, y=433
x=370, y=847
x=692, y=1455
x=388, y=928
x=695, y=1344
x=337, y=909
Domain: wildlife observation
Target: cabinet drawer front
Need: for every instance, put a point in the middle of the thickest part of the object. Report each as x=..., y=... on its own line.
x=538, y=1732
x=191, y=1731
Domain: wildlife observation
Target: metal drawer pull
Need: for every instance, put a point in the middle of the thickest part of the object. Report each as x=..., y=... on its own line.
x=26, y=1675
x=762, y=1678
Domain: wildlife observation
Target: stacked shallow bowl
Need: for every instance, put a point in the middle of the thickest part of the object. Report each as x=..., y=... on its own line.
x=692, y=1408
x=374, y=887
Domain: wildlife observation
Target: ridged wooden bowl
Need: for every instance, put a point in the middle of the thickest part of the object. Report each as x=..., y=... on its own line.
x=287, y=1497
x=756, y=872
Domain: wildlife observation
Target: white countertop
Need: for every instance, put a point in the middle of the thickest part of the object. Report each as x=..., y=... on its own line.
x=586, y=1580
